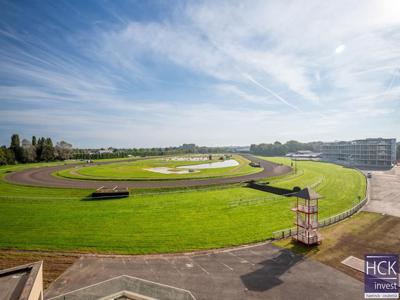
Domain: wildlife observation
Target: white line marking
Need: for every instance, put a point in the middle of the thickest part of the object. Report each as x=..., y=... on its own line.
x=242, y=260
x=226, y=265
x=127, y=276
x=204, y=270
x=255, y=253
x=220, y=262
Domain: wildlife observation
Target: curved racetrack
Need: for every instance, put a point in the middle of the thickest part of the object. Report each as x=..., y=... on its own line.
x=43, y=177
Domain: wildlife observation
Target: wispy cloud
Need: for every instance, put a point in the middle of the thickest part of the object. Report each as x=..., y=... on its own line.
x=233, y=69
x=270, y=91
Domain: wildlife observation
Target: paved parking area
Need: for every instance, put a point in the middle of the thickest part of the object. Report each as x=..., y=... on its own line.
x=256, y=272
x=385, y=192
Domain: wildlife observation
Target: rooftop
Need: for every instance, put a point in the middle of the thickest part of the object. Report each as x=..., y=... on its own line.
x=128, y=287
x=308, y=193
x=17, y=283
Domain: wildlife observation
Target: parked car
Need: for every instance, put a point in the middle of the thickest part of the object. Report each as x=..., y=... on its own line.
x=369, y=175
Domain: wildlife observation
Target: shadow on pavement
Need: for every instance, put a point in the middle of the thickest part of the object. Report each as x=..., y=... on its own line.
x=268, y=276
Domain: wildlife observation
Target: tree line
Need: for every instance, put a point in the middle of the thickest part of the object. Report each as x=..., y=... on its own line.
x=278, y=149
x=120, y=153
x=34, y=150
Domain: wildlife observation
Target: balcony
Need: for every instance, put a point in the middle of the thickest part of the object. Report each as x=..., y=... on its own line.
x=312, y=224
x=306, y=209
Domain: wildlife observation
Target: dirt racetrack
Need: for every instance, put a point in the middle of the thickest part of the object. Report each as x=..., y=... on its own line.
x=43, y=177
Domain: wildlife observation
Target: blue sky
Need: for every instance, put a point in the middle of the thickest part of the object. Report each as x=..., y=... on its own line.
x=162, y=73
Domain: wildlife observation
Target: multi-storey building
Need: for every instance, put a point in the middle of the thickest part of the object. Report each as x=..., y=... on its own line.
x=375, y=152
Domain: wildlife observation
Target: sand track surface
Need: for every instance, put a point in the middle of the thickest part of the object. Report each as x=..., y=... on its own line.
x=42, y=176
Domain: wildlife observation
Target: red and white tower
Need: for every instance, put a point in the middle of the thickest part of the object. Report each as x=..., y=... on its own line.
x=306, y=221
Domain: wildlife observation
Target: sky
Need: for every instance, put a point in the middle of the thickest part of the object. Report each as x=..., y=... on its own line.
x=161, y=73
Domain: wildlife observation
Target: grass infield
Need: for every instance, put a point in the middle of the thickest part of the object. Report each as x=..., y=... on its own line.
x=137, y=170
x=38, y=218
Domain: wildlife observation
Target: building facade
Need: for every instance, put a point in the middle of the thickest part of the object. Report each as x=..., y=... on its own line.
x=374, y=152
x=304, y=155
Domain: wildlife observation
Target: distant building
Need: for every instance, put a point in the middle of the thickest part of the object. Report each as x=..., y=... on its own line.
x=104, y=151
x=108, y=151
x=305, y=154
x=243, y=149
x=372, y=152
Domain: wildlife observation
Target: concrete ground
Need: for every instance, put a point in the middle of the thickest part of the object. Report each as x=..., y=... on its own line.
x=385, y=192
x=255, y=272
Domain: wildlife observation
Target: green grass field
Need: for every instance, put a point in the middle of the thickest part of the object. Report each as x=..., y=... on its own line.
x=136, y=170
x=174, y=221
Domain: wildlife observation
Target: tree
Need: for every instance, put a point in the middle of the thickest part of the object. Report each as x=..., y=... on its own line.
x=293, y=146
x=3, y=156
x=63, y=150
x=15, y=147
x=28, y=151
x=47, y=153
x=278, y=148
x=8, y=155
x=34, y=141
x=15, y=141
x=39, y=148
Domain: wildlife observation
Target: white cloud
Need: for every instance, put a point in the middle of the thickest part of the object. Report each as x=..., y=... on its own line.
x=294, y=80
x=340, y=49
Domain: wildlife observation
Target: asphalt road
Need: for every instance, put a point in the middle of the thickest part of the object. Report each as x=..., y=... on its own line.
x=384, y=194
x=43, y=177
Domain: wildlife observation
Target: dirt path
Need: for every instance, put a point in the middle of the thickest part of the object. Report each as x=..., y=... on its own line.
x=43, y=177
x=54, y=263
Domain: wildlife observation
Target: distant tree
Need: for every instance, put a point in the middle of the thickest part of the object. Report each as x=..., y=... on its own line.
x=278, y=148
x=63, y=150
x=3, y=156
x=9, y=155
x=293, y=146
x=28, y=151
x=39, y=148
x=47, y=153
x=34, y=141
x=15, y=142
x=15, y=147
